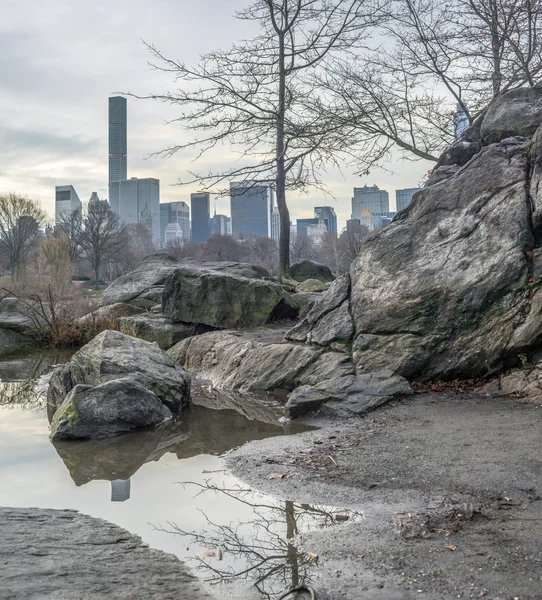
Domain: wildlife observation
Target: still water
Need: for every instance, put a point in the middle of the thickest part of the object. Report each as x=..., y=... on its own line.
x=167, y=485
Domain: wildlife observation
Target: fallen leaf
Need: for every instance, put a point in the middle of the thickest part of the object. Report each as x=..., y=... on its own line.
x=341, y=517
x=333, y=460
x=313, y=556
x=208, y=553
x=452, y=548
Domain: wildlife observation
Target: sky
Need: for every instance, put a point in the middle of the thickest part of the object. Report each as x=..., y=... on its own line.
x=63, y=59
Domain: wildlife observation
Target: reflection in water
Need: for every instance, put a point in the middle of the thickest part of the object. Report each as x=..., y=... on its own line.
x=120, y=490
x=260, y=550
x=198, y=431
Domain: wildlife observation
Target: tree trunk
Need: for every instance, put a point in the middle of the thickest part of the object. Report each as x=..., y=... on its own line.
x=284, y=239
x=96, y=275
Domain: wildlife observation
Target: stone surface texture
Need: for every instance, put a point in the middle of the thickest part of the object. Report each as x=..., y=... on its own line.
x=223, y=300
x=257, y=360
x=111, y=312
x=329, y=320
x=309, y=269
x=349, y=395
x=447, y=289
x=112, y=355
x=514, y=113
x=64, y=555
x=154, y=327
x=107, y=410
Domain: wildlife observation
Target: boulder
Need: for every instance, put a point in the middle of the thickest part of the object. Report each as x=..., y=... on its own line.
x=312, y=285
x=329, y=320
x=112, y=355
x=221, y=300
x=349, y=395
x=109, y=314
x=447, y=290
x=305, y=301
x=440, y=174
x=257, y=360
x=308, y=269
x=144, y=285
x=536, y=184
x=525, y=383
x=23, y=317
x=13, y=341
x=107, y=410
x=459, y=153
x=157, y=328
x=515, y=113
x=234, y=268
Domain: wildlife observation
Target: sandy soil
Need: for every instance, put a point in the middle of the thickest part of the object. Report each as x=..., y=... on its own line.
x=450, y=487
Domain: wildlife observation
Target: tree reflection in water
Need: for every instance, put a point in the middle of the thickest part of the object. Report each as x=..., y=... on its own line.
x=261, y=549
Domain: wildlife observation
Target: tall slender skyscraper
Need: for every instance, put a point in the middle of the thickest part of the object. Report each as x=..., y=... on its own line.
x=200, y=204
x=118, y=146
x=251, y=205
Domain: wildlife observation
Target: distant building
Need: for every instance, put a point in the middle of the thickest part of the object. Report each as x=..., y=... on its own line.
x=371, y=199
x=251, y=207
x=120, y=490
x=174, y=212
x=376, y=220
x=304, y=224
x=403, y=197
x=66, y=200
x=353, y=225
x=118, y=146
x=200, y=203
x=95, y=199
x=327, y=214
x=228, y=225
x=138, y=201
x=173, y=233
x=317, y=232
x=293, y=231
x=275, y=224
x=219, y=225
x=461, y=120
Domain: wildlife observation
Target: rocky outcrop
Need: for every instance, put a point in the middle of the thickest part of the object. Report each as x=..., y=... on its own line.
x=112, y=356
x=514, y=113
x=524, y=383
x=107, y=410
x=311, y=285
x=257, y=360
x=447, y=290
x=222, y=300
x=329, y=320
x=63, y=554
x=109, y=314
x=305, y=300
x=20, y=325
x=144, y=285
x=348, y=396
x=154, y=327
x=308, y=269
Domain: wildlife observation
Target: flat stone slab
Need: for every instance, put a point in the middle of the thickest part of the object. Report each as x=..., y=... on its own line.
x=65, y=555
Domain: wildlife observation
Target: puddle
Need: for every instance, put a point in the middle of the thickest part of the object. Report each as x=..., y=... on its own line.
x=167, y=485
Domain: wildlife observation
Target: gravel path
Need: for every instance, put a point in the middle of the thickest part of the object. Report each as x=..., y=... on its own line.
x=450, y=487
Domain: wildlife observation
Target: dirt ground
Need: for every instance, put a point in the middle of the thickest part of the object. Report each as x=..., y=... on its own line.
x=450, y=488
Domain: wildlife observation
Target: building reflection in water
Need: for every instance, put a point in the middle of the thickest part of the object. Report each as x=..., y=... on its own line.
x=260, y=549
x=120, y=490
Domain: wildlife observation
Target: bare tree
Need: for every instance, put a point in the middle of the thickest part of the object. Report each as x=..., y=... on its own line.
x=260, y=97
x=301, y=247
x=69, y=228
x=440, y=59
x=55, y=253
x=21, y=220
x=101, y=239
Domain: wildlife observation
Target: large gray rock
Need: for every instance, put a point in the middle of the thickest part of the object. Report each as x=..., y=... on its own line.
x=107, y=410
x=144, y=285
x=440, y=174
x=514, y=113
x=221, y=300
x=257, y=360
x=108, y=314
x=309, y=269
x=447, y=289
x=459, y=153
x=349, y=395
x=536, y=184
x=12, y=341
x=112, y=355
x=157, y=328
x=329, y=320
x=64, y=555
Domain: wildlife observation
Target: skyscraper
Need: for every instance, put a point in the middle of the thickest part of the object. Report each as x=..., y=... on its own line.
x=403, y=197
x=275, y=224
x=327, y=214
x=219, y=225
x=138, y=201
x=371, y=199
x=302, y=225
x=66, y=200
x=200, y=204
x=251, y=205
x=461, y=121
x=174, y=212
x=118, y=146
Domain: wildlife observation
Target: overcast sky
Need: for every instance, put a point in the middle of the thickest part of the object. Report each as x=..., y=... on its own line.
x=61, y=62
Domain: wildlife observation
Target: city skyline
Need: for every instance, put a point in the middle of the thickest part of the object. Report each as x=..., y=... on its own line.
x=53, y=134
